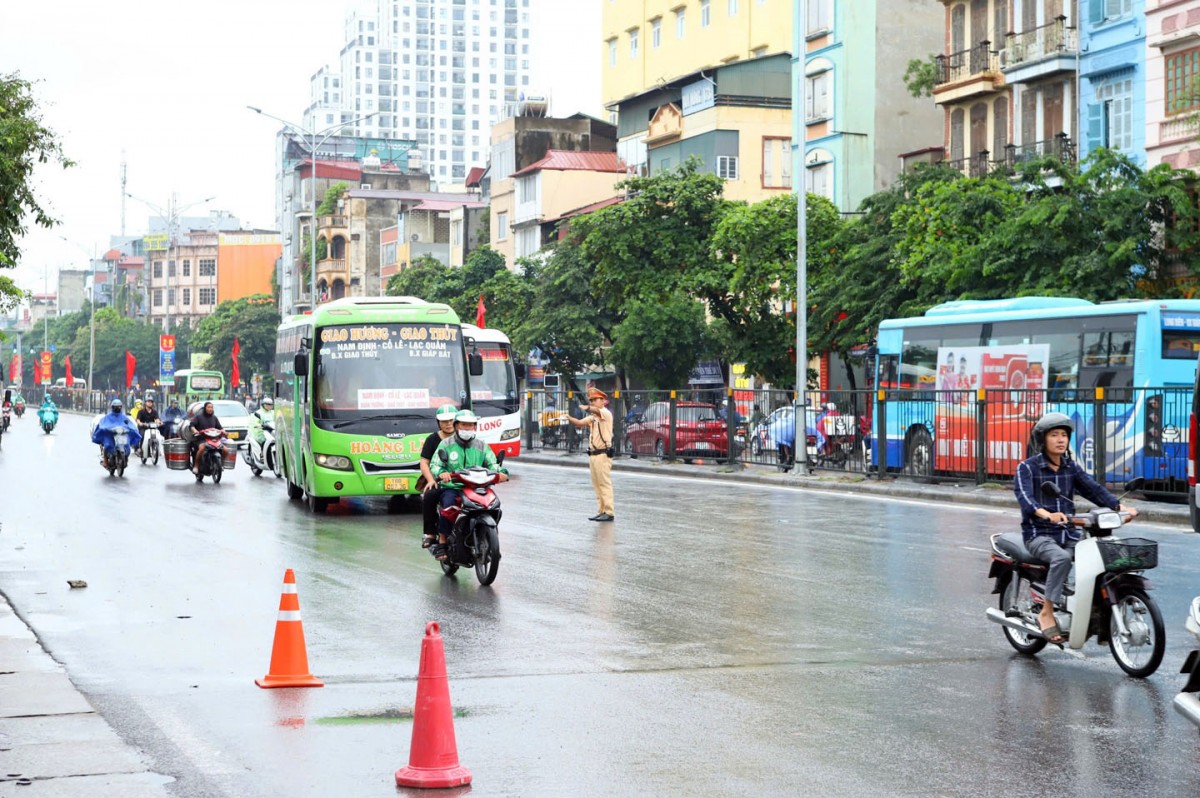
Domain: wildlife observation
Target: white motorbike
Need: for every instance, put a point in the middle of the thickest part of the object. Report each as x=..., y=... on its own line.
x=1109, y=598
x=1187, y=703
x=262, y=458
x=151, y=442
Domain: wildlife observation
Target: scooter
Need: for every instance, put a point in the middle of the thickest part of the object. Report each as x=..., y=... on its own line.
x=262, y=458
x=474, y=539
x=1187, y=703
x=212, y=455
x=116, y=457
x=150, y=442
x=6, y=419
x=19, y=408
x=48, y=417
x=1109, y=598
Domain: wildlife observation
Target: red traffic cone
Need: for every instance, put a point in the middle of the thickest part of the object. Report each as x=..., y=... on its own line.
x=289, y=660
x=433, y=755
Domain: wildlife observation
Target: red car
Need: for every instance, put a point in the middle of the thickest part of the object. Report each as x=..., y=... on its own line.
x=699, y=431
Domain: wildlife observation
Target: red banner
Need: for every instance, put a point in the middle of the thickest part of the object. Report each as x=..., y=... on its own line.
x=235, y=374
x=166, y=343
x=70, y=376
x=480, y=312
x=46, y=374
x=130, y=367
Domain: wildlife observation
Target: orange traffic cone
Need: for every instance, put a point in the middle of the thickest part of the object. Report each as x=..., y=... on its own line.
x=433, y=756
x=289, y=661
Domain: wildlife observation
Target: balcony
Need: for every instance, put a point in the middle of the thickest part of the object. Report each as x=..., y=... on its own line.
x=977, y=165
x=1060, y=147
x=968, y=73
x=1041, y=52
x=332, y=221
x=1182, y=127
x=331, y=268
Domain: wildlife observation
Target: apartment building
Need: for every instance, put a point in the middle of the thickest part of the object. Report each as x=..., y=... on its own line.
x=1173, y=83
x=1112, y=77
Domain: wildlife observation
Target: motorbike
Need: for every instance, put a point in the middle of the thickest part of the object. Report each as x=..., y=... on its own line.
x=19, y=408
x=1109, y=598
x=151, y=443
x=212, y=455
x=1187, y=703
x=48, y=417
x=6, y=419
x=832, y=437
x=262, y=458
x=474, y=539
x=116, y=457
x=556, y=431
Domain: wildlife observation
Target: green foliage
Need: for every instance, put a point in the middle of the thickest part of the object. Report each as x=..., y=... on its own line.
x=252, y=321
x=922, y=75
x=660, y=342
x=24, y=143
x=329, y=202
x=428, y=278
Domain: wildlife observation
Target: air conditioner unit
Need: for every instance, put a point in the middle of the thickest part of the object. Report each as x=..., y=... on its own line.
x=367, y=186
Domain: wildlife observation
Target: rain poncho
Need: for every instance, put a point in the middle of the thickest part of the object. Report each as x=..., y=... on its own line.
x=103, y=434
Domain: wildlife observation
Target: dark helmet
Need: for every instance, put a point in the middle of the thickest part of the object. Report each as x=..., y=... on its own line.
x=1048, y=422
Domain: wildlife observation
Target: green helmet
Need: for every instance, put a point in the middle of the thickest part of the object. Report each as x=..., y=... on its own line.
x=446, y=413
x=465, y=417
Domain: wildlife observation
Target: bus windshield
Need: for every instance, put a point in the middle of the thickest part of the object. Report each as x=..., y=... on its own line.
x=495, y=393
x=364, y=371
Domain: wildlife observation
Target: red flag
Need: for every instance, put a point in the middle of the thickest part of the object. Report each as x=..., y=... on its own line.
x=480, y=310
x=130, y=367
x=236, y=373
x=70, y=377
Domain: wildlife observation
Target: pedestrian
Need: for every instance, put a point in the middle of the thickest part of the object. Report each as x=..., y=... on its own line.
x=599, y=419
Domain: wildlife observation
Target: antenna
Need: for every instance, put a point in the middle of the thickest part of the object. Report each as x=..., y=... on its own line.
x=122, y=192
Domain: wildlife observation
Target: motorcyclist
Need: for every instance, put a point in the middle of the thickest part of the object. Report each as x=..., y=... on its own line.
x=1045, y=522
x=265, y=414
x=115, y=419
x=206, y=418
x=431, y=491
x=147, y=417
x=463, y=450
x=48, y=412
x=171, y=418
x=19, y=403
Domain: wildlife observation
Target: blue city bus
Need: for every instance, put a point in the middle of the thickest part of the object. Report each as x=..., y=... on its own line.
x=963, y=385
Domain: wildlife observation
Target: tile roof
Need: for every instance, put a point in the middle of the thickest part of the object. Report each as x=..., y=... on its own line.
x=567, y=160
x=474, y=176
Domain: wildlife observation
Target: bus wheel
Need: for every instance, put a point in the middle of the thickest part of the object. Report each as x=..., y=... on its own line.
x=918, y=454
x=316, y=504
x=294, y=491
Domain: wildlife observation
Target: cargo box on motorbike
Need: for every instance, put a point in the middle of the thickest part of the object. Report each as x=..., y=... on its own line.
x=228, y=457
x=176, y=452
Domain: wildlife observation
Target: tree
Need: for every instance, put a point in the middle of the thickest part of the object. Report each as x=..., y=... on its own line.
x=922, y=75
x=24, y=143
x=428, y=278
x=660, y=342
x=253, y=321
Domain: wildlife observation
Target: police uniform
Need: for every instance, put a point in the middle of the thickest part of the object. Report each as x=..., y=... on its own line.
x=600, y=441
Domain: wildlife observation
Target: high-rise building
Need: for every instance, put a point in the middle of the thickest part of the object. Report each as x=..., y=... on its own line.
x=439, y=72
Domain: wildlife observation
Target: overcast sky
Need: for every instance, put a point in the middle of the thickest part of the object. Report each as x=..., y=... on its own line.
x=164, y=86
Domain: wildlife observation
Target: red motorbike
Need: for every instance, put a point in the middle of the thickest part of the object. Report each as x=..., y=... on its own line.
x=474, y=539
x=212, y=455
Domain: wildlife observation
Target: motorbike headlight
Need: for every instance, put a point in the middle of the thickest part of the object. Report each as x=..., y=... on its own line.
x=509, y=434
x=335, y=461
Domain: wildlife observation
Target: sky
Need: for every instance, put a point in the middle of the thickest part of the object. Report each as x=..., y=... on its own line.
x=163, y=86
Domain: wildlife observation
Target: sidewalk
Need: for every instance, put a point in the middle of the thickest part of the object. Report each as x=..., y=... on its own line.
x=956, y=493
x=53, y=744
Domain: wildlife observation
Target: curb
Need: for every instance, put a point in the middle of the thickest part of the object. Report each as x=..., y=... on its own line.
x=956, y=493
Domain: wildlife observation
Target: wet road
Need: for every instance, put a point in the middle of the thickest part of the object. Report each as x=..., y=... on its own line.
x=715, y=640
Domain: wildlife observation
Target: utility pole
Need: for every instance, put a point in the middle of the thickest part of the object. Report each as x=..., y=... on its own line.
x=800, y=135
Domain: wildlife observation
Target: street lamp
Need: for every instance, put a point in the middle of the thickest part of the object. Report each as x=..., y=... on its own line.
x=310, y=139
x=171, y=217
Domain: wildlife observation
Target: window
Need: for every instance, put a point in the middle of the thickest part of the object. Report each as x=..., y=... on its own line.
x=820, y=86
x=733, y=8
x=187, y=268
x=502, y=227
x=158, y=270
x=656, y=32
x=1182, y=73
x=705, y=13
x=1110, y=121
x=187, y=297
x=208, y=297
x=170, y=296
x=633, y=43
x=158, y=297
x=680, y=22
x=820, y=16
x=1117, y=8
x=612, y=52
x=727, y=167
x=208, y=267
x=819, y=179
x=170, y=268
x=777, y=163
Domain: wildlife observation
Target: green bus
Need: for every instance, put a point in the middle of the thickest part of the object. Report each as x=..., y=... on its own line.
x=197, y=385
x=357, y=385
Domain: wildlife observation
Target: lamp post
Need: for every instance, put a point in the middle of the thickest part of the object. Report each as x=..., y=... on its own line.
x=171, y=217
x=799, y=138
x=310, y=139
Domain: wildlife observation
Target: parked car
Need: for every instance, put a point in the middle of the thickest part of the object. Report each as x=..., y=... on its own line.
x=233, y=417
x=699, y=431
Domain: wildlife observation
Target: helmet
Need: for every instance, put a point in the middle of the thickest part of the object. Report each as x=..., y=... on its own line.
x=116, y=404
x=465, y=417
x=268, y=402
x=1048, y=422
x=446, y=413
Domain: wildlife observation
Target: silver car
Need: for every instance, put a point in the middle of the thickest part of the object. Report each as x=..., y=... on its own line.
x=234, y=418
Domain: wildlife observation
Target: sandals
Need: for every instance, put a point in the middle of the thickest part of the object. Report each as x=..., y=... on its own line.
x=428, y=540
x=1051, y=632
x=440, y=551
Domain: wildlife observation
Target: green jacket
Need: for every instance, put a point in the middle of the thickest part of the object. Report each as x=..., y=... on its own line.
x=476, y=453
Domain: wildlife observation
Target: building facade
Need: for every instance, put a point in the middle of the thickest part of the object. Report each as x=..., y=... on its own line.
x=1112, y=77
x=439, y=72
x=547, y=190
x=1173, y=83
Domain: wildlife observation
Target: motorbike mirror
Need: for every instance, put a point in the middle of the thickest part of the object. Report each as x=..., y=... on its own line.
x=1135, y=484
x=300, y=364
x=1050, y=490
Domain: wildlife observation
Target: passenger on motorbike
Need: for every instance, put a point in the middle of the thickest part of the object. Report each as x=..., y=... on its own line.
x=431, y=491
x=171, y=418
x=1045, y=524
x=463, y=450
x=265, y=414
x=115, y=419
x=205, y=419
x=147, y=417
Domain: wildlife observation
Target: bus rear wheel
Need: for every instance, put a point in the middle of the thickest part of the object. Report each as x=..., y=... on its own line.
x=918, y=454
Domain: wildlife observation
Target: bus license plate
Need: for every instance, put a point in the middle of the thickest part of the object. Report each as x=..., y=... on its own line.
x=395, y=483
